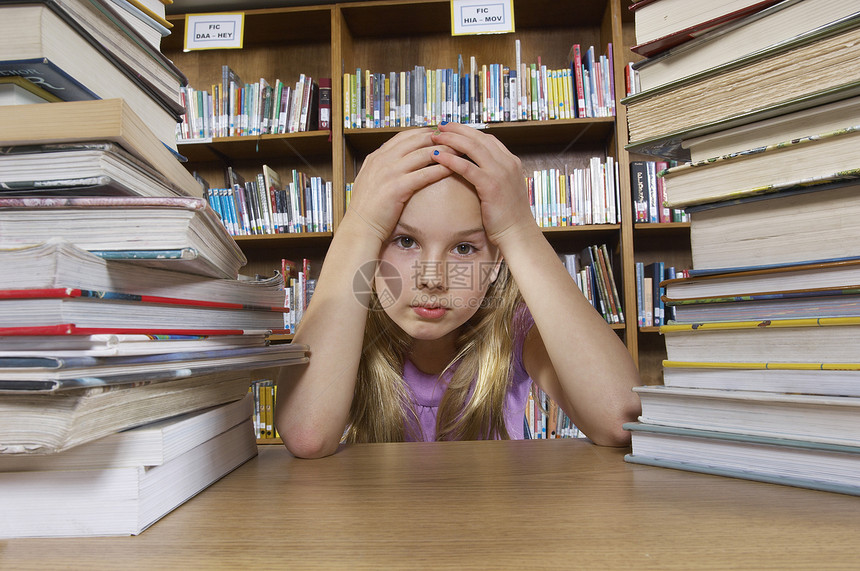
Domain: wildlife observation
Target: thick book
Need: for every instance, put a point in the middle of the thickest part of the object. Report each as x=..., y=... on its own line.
x=786, y=461
x=95, y=121
x=58, y=263
x=814, y=418
x=151, y=27
x=753, y=280
x=127, y=227
x=803, y=222
x=834, y=379
x=50, y=423
x=662, y=24
x=752, y=171
x=24, y=374
x=826, y=118
x=758, y=30
x=108, y=311
x=111, y=344
x=80, y=169
x=151, y=444
x=814, y=69
x=789, y=304
x=39, y=41
x=808, y=340
x=118, y=501
x=104, y=25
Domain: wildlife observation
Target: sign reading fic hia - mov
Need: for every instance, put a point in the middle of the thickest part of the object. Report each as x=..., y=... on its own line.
x=482, y=17
x=214, y=31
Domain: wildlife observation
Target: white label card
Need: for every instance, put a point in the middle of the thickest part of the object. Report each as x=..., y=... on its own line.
x=214, y=31
x=482, y=17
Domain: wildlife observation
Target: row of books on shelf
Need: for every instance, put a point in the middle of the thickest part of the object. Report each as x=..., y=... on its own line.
x=298, y=289
x=762, y=373
x=483, y=93
x=265, y=205
x=592, y=270
x=545, y=419
x=235, y=109
x=264, y=392
x=649, y=193
x=576, y=196
x=652, y=310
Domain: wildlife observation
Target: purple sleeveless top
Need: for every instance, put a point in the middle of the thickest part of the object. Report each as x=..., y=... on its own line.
x=428, y=388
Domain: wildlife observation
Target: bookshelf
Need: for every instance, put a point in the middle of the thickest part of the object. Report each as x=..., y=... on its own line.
x=392, y=35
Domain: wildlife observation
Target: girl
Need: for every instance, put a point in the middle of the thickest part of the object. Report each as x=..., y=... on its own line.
x=439, y=302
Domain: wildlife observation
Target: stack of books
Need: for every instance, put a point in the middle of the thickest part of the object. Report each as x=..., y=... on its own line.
x=762, y=377
x=128, y=337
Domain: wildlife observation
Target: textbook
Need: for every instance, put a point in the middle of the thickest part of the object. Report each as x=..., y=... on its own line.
x=813, y=418
x=51, y=423
x=809, y=340
x=43, y=47
x=816, y=222
x=148, y=21
x=834, y=379
x=788, y=77
x=777, y=23
x=145, y=229
x=151, y=444
x=790, y=304
x=661, y=24
x=22, y=374
x=80, y=169
x=58, y=263
x=823, y=118
x=753, y=280
x=819, y=466
x=106, y=311
x=111, y=344
x=753, y=171
x=117, y=501
x=95, y=121
x=103, y=25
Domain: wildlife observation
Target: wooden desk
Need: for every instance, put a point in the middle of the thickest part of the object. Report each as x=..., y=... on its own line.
x=558, y=504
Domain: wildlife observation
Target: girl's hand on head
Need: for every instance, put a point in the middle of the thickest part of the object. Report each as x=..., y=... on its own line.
x=391, y=175
x=496, y=174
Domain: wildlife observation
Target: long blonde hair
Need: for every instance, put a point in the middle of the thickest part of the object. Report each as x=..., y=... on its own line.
x=381, y=407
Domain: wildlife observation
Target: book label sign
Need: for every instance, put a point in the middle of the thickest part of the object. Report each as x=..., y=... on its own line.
x=214, y=31
x=482, y=17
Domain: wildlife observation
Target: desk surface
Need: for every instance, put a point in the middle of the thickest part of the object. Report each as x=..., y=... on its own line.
x=558, y=504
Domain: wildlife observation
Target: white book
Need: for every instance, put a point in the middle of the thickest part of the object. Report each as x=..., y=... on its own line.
x=117, y=501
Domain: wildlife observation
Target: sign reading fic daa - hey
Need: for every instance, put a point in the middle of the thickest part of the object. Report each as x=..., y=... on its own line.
x=482, y=17
x=214, y=31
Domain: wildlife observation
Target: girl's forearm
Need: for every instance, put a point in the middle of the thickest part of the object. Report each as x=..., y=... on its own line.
x=314, y=399
x=594, y=369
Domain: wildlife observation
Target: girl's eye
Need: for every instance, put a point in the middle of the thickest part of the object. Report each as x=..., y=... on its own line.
x=405, y=242
x=464, y=249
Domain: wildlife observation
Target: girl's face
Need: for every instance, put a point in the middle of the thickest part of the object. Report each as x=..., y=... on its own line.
x=440, y=258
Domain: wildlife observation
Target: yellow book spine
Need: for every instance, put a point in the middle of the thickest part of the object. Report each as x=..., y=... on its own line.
x=771, y=323
x=761, y=366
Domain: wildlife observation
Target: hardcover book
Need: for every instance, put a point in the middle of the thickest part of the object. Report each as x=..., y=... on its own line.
x=809, y=340
x=813, y=69
x=51, y=423
x=834, y=379
x=46, y=49
x=95, y=121
x=792, y=462
x=131, y=227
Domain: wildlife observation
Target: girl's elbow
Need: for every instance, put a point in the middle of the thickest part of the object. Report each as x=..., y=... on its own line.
x=308, y=443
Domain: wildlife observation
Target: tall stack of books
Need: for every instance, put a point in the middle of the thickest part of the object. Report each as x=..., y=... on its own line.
x=762, y=377
x=127, y=336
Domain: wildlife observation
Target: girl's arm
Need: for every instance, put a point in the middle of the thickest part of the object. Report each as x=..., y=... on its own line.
x=572, y=353
x=314, y=399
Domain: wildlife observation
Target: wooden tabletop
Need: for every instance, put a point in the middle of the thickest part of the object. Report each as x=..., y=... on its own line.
x=557, y=504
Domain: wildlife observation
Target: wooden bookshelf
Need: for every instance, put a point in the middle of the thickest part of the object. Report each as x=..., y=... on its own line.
x=392, y=35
